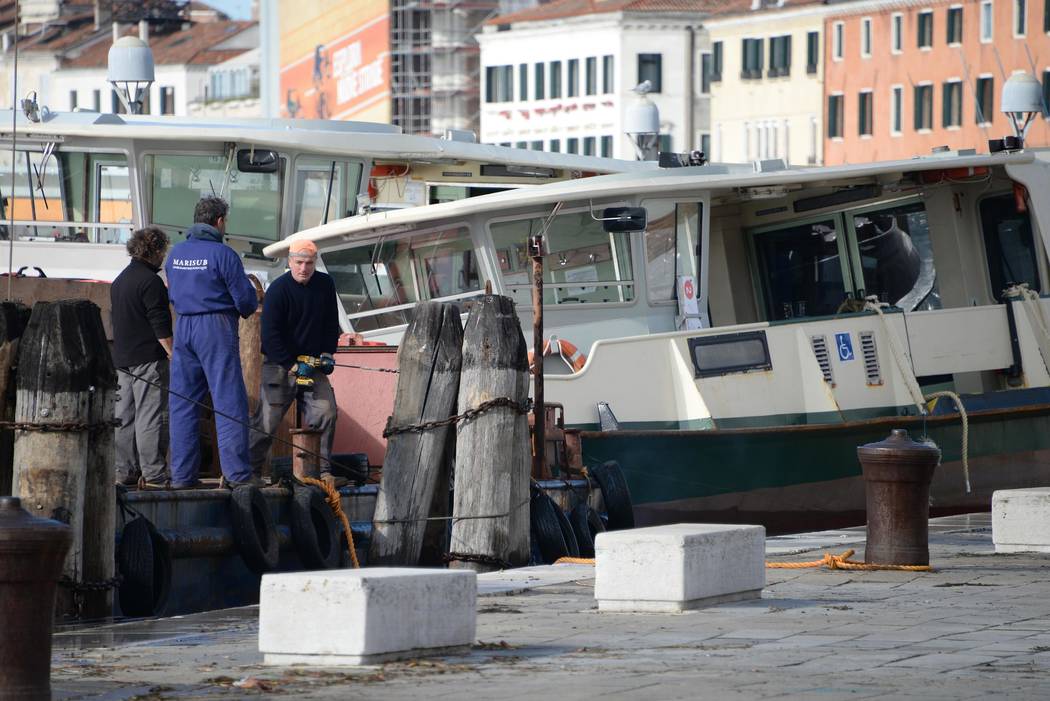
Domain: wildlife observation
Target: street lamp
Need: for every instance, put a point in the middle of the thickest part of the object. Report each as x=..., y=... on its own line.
x=130, y=71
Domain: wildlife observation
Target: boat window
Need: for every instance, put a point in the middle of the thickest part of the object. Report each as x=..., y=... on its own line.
x=1008, y=244
x=177, y=182
x=66, y=196
x=801, y=270
x=671, y=241
x=378, y=283
x=325, y=190
x=896, y=257
x=584, y=265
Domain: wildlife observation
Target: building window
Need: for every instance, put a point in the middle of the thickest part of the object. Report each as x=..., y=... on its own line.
x=572, y=88
x=835, y=116
x=896, y=108
x=1046, y=16
x=812, y=52
x=923, y=107
x=167, y=100
x=955, y=18
x=837, y=40
x=572, y=145
x=705, y=145
x=951, y=104
x=523, y=82
x=987, y=21
x=96, y=100
x=555, y=146
x=779, y=56
x=865, y=113
x=985, y=99
x=606, y=147
x=536, y=145
x=897, y=33
x=117, y=105
x=811, y=157
x=925, y=38
x=865, y=37
x=649, y=68
x=499, y=81
x=1046, y=93
x=523, y=145
x=716, y=61
x=539, y=81
x=591, y=76
x=588, y=145
x=752, y=59
x=72, y=100
x=1020, y=18
x=705, y=73
x=666, y=146
x=608, y=75
x=555, y=79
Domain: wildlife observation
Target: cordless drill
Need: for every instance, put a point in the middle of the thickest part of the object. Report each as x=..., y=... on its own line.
x=307, y=365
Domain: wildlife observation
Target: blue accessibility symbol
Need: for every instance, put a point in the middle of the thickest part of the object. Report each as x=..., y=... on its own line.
x=844, y=343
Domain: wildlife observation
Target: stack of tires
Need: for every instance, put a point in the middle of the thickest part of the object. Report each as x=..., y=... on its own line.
x=556, y=534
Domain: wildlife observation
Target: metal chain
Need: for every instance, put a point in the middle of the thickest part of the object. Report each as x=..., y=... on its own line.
x=480, y=559
x=58, y=426
x=78, y=587
x=468, y=415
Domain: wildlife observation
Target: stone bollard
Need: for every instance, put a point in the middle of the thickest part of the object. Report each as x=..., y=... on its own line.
x=897, y=475
x=32, y=551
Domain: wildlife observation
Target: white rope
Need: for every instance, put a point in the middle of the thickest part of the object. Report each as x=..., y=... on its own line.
x=899, y=357
x=965, y=430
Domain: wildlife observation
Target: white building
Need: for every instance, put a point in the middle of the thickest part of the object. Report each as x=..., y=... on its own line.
x=559, y=77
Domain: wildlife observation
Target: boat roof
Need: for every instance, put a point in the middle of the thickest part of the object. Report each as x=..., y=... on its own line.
x=364, y=139
x=660, y=182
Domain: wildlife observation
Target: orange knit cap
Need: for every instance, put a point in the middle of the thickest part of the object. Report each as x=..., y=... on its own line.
x=303, y=248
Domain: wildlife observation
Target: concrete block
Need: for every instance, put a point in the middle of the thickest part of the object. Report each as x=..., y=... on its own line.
x=679, y=567
x=1021, y=520
x=366, y=616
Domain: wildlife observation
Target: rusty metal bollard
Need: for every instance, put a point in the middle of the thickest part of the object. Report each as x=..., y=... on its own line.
x=32, y=551
x=897, y=475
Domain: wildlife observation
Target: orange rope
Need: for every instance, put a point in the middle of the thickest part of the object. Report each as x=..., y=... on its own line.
x=574, y=561
x=335, y=504
x=842, y=562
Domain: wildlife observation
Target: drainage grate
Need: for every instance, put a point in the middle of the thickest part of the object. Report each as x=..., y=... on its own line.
x=820, y=350
x=871, y=357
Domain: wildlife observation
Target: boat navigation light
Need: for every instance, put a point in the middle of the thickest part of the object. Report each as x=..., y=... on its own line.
x=1022, y=101
x=130, y=71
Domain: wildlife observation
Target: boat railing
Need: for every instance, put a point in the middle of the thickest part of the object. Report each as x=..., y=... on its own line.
x=411, y=305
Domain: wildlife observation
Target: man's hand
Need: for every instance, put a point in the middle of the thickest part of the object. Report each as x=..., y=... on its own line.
x=327, y=363
x=166, y=344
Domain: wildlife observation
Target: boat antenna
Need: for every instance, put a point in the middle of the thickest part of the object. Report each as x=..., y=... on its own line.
x=14, y=161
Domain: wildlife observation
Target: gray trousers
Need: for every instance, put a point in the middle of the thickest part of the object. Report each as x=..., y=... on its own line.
x=142, y=412
x=276, y=394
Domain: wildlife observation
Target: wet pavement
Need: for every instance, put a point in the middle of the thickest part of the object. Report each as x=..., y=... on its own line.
x=978, y=625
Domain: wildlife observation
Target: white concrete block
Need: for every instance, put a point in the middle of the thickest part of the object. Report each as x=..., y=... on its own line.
x=679, y=567
x=1021, y=520
x=366, y=616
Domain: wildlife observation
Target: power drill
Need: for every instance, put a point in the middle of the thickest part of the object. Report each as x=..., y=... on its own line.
x=307, y=365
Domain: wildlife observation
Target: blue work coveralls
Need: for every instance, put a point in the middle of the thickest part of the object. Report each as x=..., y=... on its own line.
x=209, y=290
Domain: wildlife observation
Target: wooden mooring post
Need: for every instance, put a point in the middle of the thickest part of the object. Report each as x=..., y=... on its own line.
x=490, y=526
x=13, y=319
x=429, y=362
x=66, y=387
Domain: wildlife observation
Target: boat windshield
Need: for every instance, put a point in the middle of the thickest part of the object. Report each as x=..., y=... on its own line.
x=584, y=265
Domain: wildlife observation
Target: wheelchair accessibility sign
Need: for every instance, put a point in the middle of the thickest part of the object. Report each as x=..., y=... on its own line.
x=844, y=343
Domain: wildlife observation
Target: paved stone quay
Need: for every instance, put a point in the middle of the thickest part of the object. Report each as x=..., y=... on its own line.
x=979, y=625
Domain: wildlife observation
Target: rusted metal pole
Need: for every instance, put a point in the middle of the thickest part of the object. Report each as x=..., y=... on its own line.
x=538, y=418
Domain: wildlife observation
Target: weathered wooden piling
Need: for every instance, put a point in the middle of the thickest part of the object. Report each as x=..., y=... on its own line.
x=13, y=319
x=64, y=446
x=493, y=456
x=429, y=361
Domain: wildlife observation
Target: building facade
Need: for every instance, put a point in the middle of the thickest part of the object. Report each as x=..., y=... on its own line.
x=903, y=78
x=764, y=73
x=561, y=76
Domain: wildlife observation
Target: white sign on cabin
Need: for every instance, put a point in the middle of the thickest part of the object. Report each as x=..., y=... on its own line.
x=689, y=314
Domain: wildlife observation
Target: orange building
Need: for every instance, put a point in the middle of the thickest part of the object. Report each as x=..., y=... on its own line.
x=902, y=78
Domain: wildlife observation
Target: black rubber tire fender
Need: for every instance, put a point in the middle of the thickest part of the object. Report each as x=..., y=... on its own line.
x=254, y=531
x=546, y=529
x=572, y=548
x=144, y=565
x=615, y=494
x=586, y=524
x=315, y=530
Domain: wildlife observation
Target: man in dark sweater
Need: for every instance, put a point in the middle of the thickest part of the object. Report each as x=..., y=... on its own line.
x=300, y=317
x=141, y=349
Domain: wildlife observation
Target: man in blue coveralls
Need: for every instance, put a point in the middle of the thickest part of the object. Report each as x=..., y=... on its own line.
x=209, y=291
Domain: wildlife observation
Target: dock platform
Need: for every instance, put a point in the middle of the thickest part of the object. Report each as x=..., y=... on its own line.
x=977, y=626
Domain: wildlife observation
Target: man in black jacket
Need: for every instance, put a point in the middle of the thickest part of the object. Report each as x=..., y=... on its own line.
x=300, y=318
x=141, y=349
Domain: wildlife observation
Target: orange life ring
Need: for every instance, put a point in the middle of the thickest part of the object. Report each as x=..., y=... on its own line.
x=566, y=351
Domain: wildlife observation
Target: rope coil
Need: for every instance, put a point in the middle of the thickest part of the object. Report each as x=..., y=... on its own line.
x=842, y=562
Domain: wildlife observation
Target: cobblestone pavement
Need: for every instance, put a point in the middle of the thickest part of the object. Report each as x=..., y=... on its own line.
x=978, y=626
